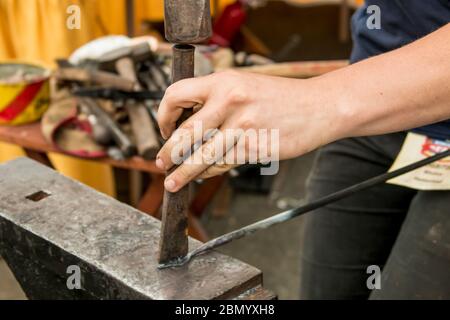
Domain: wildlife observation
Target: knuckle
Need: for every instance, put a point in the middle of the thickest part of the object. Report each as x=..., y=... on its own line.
x=165, y=151
x=221, y=168
x=166, y=155
x=237, y=95
x=187, y=126
x=208, y=153
x=182, y=138
x=210, y=172
x=246, y=122
x=183, y=174
x=170, y=93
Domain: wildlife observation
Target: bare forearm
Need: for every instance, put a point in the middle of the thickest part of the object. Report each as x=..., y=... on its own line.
x=400, y=90
x=403, y=89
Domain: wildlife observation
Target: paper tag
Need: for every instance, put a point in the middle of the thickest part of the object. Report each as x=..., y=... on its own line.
x=435, y=176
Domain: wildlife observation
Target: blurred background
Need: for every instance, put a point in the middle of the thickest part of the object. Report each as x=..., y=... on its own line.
x=312, y=35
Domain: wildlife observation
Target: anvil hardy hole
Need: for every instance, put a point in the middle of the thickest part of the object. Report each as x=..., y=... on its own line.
x=38, y=196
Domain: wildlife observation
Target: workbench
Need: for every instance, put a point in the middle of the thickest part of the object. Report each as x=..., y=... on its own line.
x=30, y=138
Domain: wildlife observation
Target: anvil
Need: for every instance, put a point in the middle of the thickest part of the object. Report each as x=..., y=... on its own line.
x=49, y=223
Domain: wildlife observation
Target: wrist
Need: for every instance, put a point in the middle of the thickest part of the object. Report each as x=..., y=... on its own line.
x=332, y=108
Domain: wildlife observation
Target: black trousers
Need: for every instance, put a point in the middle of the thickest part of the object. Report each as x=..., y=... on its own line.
x=404, y=232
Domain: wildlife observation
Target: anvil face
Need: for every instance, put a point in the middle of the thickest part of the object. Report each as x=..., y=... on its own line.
x=49, y=223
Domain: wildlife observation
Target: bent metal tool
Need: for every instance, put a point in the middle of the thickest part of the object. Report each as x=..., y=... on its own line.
x=290, y=214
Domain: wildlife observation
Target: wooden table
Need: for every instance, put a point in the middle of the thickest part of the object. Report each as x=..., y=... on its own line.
x=30, y=138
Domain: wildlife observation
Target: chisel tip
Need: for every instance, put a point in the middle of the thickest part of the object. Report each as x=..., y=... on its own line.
x=175, y=263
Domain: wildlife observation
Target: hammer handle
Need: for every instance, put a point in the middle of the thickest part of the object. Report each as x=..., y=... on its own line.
x=143, y=129
x=146, y=137
x=99, y=77
x=125, y=67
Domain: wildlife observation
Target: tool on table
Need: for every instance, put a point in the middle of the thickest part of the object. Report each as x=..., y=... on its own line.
x=94, y=76
x=100, y=132
x=108, y=61
x=118, y=95
x=120, y=138
x=125, y=98
x=123, y=60
x=159, y=76
x=186, y=23
x=290, y=214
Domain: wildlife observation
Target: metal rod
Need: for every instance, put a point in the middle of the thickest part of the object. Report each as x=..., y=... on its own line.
x=120, y=138
x=290, y=214
x=174, y=230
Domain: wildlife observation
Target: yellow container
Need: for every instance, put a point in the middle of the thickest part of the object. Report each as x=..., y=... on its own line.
x=24, y=93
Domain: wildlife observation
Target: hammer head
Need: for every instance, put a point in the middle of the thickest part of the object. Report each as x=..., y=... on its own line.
x=187, y=21
x=137, y=53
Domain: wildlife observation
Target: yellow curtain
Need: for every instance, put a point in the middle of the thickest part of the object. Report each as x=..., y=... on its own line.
x=154, y=9
x=35, y=31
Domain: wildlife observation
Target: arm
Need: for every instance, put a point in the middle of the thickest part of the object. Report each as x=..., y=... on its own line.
x=400, y=90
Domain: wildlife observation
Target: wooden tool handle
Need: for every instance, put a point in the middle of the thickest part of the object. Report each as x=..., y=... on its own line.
x=106, y=79
x=143, y=129
x=125, y=67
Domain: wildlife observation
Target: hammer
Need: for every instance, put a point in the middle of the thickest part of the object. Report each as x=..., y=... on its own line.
x=123, y=60
x=186, y=22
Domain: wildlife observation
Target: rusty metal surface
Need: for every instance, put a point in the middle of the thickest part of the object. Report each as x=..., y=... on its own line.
x=183, y=62
x=174, y=230
x=115, y=246
x=187, y=21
